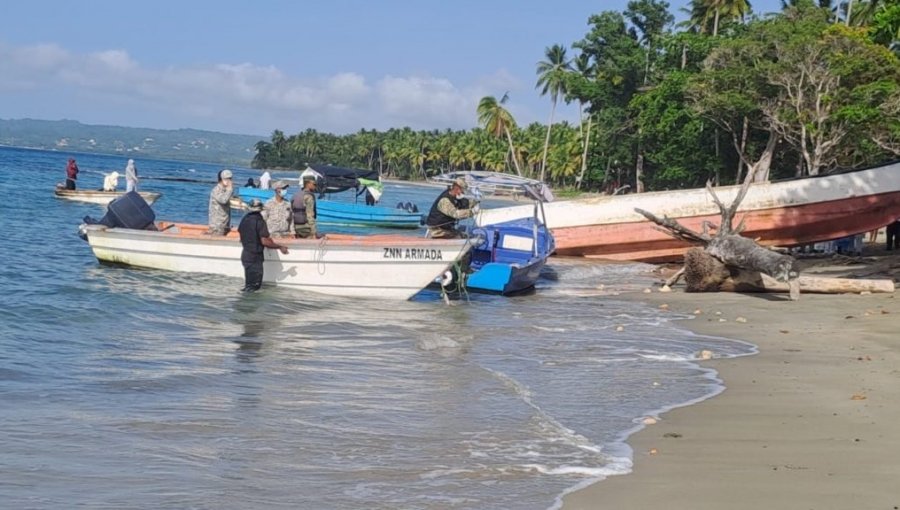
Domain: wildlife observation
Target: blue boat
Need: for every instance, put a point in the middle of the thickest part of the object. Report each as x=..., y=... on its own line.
x=330, y=212
x=509, y=256
x=506, y=257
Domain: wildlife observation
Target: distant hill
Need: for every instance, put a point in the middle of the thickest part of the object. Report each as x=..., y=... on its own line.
x=180, y=144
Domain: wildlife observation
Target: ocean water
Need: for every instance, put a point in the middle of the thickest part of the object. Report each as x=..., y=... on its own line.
x=125, y=388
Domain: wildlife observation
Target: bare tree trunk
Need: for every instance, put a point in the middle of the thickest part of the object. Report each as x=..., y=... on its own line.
x=584, y=152
x=512, y=150
x=740, y=166
x=849, y=11
x=547, y=140
x=717, y=180
x=639, y=171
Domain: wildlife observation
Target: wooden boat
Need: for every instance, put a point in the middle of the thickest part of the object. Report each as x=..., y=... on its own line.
x=332, y=212
x=784, y=213
x=100, y=197
x=376, y=266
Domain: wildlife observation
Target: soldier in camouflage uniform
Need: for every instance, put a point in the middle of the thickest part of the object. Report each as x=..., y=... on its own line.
x=304, y=207
x=447, y=209
x=220, y=205
x=277, y=212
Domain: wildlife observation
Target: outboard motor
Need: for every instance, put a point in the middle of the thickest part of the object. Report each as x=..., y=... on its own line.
x=399, y=205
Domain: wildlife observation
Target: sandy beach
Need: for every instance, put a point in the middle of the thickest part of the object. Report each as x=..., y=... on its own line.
x=811, y=422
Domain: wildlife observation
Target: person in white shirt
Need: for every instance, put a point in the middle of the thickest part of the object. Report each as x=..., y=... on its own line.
x=264, y=180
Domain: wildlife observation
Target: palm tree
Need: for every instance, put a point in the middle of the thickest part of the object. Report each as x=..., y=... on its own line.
x=585, y=69
x=705, y=11
x=551, y=81
x=498, y=121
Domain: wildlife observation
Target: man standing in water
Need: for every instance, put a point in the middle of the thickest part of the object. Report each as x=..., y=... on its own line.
x=255, y=237
x=220, y=205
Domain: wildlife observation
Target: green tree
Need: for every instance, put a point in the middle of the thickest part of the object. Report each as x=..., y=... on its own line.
x=498, y=121
x=551, y=80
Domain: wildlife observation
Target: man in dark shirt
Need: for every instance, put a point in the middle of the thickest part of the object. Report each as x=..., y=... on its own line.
x=255, y=237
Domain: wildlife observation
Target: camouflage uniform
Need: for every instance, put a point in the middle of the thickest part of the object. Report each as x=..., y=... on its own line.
x=219, y=210
x=278, y=217
x=308, y=229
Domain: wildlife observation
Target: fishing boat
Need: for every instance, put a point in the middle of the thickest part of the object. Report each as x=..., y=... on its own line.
x=100, y=197
x=373, y=266
x=332, y=212
x=783, y=213
x=506, y=257
x=496, y=183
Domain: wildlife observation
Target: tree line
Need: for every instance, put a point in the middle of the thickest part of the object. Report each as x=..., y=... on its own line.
x=665, y=106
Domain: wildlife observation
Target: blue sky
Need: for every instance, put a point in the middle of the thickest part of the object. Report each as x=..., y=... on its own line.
x=253, y=67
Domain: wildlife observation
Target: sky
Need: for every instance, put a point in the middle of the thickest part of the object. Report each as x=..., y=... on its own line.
x=253, y=67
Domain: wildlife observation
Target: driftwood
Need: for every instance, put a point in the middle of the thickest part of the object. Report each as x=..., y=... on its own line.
x=728, y=247
x=706, y=273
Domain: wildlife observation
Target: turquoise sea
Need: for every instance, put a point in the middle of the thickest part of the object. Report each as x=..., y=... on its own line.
x=124, y=388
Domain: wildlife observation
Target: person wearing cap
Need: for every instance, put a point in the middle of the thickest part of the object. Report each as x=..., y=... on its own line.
x=277, y=212
x=220, y=205
x=447, y=210
x=254, y=238
x=303, y=206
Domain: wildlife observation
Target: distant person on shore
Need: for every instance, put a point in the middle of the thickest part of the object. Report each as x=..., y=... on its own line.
x=277, y=212
x=254, y=237
x=303, y=206
x=71, y=174
x=264, y=180
x=448, y=209
x=220, y=205
x=131, y=176
x=111, y=181
x=250, y=183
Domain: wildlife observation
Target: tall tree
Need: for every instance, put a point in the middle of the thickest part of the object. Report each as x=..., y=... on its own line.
x=498, y=121
x=551, y=80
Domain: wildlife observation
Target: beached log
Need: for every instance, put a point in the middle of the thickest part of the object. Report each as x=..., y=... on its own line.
x=706, y=273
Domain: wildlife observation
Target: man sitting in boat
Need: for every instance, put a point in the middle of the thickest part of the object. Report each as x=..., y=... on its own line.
x=303, y=206
x=448, y=209
x=111, y=181
x=277, y=212
x=220, y=205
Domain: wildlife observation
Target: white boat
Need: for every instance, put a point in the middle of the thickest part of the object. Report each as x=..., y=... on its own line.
x=374, y=266
x=782, y=213
x=101, y=197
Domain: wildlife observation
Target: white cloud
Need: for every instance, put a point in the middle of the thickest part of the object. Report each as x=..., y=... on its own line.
x=112, y=87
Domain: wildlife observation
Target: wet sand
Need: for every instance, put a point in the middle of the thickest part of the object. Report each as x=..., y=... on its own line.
x=811, y=422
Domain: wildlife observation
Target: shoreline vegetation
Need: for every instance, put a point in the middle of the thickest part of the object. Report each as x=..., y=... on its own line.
x=808, y=422
x=726, y=93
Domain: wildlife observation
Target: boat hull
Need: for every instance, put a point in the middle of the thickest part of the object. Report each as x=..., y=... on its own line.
x=378, y=266
x=101, y=197
x=789, y=213
x=330, y=212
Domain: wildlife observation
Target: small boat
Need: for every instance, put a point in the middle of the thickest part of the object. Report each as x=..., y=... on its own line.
x=496, y=183
x=100, y=197
x=332, y=212
x=506, y=257
x=510, y=256
x=374, y=266
x=782, y=213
